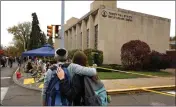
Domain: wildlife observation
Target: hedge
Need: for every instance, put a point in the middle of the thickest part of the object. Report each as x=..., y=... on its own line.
x=156, y=61
x=90, y=54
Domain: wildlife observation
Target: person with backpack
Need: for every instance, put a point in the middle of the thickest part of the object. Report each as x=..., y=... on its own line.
x=51, y=91
x=84, y=91
x=75, y=92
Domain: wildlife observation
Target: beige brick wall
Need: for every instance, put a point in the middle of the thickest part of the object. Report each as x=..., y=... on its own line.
x=72, y=21
x=117, y=27
x=111, y=4
x=114, y=32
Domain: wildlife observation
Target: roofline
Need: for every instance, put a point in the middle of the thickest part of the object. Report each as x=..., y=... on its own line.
x=139, y=13
x=144, y=14
x=82, y=18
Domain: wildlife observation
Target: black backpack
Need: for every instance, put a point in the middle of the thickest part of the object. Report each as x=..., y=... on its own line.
x=53, y=95
x=91, y=99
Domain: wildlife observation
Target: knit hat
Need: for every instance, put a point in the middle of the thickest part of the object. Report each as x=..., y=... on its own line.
x=61, y=54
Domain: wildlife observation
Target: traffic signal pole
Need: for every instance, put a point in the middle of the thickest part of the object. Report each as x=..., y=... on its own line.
x=62, y=22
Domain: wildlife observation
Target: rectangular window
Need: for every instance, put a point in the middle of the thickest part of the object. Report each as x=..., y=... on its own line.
x=87, y=38
x=96, y=36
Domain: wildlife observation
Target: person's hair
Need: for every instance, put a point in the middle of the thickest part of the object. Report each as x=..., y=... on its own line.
x=80, y=58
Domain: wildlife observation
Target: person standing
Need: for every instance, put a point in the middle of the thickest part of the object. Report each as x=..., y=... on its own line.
x=10, y=61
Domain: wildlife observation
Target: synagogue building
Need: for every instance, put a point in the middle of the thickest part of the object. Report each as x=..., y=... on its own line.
x=107, y=28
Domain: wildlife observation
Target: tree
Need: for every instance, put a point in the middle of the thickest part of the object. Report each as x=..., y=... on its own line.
x=12, y=51
x=43, y=38
x=37, y=37
x=50, y=41
x=21, y=33
x=133, y=54
x=173, y=38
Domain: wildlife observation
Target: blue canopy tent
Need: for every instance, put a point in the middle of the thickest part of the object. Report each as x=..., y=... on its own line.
x=46, y=50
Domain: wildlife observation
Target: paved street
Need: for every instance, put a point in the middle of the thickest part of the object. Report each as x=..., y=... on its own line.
x=143, y=99
x=14, y=95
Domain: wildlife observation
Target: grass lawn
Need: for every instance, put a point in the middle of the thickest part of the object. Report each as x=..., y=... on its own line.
x=155, y=73
x=117, y=75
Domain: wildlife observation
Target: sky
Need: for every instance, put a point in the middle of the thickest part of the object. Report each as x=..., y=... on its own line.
x=48, y=12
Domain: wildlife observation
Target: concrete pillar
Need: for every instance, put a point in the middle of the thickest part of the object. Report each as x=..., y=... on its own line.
x=73, y=38
x=66, y=40
x=69, y=40
x=91, y=32
x=78, y=36
x=84, y=34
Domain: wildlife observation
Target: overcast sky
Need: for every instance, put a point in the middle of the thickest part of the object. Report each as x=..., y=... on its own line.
x=48, y=12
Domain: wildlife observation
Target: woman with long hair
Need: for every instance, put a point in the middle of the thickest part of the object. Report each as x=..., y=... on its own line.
x=75, y=92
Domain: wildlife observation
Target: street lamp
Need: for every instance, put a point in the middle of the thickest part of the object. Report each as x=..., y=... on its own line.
x=62, y=22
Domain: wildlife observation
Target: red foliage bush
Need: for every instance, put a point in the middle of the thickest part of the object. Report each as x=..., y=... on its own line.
x=133, y=53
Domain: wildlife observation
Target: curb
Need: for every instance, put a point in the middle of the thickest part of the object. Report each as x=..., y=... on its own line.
x=142, y=89
x=24, y=86
x=110, y=92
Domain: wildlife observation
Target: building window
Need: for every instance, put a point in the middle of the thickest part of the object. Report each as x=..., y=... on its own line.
x=81, y=40
x=87, y=38
x=96, y=36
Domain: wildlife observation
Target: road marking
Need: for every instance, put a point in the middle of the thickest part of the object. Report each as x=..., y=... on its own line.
x=5, y=78
x=171, y=92
x=143, y=88
x=159, y=92
x=3, y=92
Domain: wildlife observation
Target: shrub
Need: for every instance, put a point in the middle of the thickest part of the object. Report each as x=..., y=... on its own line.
x=90, y=56
x=132, y=54
x=156, y=61
x=71, y=53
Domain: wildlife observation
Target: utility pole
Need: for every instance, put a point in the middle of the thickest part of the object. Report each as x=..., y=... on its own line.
x=62, y=22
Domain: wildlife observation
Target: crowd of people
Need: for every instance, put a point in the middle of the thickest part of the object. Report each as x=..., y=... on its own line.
x=66, y=82
x=7, y=61
x=37, y=67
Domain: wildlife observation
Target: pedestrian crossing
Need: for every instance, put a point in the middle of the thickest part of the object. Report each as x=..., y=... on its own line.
x=3, y=92
x=5, y=78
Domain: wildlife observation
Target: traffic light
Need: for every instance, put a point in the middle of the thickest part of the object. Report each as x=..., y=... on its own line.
x=57, y=31
x=50, y=31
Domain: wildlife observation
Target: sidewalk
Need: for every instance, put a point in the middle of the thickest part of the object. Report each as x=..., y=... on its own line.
x=112, y=85
x=138, y=82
